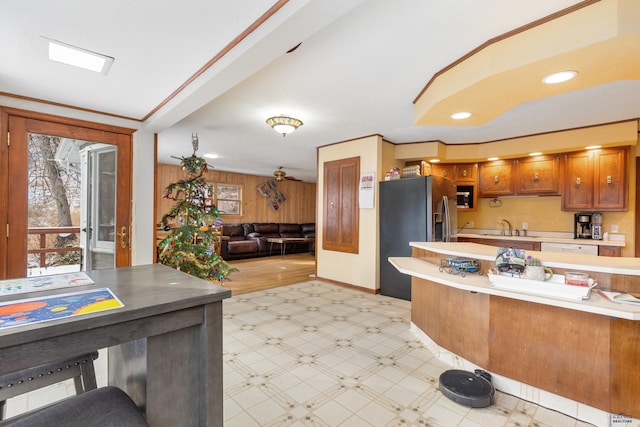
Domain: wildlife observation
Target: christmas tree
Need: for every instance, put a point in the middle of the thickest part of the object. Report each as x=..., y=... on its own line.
x=194, y=223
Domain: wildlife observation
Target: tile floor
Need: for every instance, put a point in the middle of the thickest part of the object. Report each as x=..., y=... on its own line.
x=316, y=354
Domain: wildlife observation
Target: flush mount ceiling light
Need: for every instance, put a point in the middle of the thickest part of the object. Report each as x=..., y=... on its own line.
x=279, y=174
x=78, y=57
x=461, y=115
x=284, y=124
x=560, y=77
x=536, y=153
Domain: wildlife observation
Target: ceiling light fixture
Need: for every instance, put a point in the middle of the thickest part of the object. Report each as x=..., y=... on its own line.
x=491, y=159
x=78, y=57
x=461, y=115
x=593, y=147
x=284, y=124
x=560, y=77
x=536, y=153
x=279, y=174
x=434, y=161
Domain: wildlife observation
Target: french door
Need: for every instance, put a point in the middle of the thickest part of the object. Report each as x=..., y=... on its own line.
x=105, y=194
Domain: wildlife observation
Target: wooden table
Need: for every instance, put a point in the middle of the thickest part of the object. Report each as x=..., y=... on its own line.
x=282, y=241
x=165, y=344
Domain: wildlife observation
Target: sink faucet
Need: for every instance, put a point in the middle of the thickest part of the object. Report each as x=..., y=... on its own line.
x=501, y=223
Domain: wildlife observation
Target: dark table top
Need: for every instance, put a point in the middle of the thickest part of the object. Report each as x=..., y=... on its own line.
x=145, y=291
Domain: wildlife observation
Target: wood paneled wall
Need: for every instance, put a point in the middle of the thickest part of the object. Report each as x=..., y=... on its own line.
x=300, y=206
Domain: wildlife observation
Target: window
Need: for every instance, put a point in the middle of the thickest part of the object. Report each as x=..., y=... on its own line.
x=228, y=198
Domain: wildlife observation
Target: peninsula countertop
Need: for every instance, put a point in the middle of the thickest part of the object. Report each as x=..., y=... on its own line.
x=614, y=240
x=596, y=304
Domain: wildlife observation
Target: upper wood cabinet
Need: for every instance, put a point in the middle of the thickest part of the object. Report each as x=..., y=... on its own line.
x=496, y=178
x=444, y=170
x=539, y=175
x=466, y=172
x=596, y=180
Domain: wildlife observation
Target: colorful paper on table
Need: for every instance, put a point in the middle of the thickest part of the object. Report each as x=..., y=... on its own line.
x=36, y=310
x=43, y=283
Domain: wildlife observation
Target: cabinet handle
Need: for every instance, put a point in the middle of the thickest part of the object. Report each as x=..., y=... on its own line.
x=535, y=176
x=578, y=181
x=444, y=173
x=464, y=172
x=495, y=179
x=609, y=180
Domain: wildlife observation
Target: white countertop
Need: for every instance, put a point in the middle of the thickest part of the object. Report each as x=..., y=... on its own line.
x=596, y=303
x=549, y=237
x=613, y=265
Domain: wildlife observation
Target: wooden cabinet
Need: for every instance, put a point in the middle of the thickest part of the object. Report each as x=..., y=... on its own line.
x=522, y=244
x=444, y=170
x=466, y=172
x=539, y=175
x=609, y=250
x=340, y=219
x=496, y=178
x=596, y=180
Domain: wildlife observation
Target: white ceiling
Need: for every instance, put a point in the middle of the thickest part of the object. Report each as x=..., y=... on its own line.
x=360, y=65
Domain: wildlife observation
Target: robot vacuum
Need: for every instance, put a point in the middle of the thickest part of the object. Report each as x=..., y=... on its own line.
x=473, y=389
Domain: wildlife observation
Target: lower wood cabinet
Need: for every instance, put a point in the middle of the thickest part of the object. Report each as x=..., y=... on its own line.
x=522, y=244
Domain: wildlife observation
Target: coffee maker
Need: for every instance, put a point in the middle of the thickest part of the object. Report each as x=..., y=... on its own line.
x=582, y=226
x=596, y=226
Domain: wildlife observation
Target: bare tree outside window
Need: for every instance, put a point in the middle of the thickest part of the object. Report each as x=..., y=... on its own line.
x=54, y=198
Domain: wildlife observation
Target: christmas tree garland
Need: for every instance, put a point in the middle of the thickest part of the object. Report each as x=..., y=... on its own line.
x=197, y=225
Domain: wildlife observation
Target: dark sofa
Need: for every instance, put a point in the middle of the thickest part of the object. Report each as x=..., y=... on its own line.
x=249, y=240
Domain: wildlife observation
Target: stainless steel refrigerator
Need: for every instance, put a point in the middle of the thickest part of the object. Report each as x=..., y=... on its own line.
x=419, y=209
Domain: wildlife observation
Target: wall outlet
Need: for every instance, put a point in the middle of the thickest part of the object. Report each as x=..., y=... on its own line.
x=525, y=225
x=469, y=224
x=614, y=228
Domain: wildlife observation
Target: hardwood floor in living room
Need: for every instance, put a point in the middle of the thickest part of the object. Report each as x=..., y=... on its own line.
x=256, y=274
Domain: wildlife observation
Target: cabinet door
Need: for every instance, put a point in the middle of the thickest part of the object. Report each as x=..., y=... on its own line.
x=578, y=181
x=340, y=225
x=609, y=250
x=539, y=175
x=496, y=179
x=610, y=179
x=466, y=172
x=446, y=170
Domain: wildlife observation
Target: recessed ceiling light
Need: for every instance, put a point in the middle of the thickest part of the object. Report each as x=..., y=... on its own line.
x=493, y=158
x=210, y=155
x=560, y=77
x=461, y=115
x=593, y=147
x=535, y=153
x=78, y=57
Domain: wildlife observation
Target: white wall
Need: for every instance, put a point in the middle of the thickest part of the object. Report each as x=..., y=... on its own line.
x=359, y=269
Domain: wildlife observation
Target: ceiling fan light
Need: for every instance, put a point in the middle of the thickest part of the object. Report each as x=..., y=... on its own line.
x=279, y=174
x=284, y=124
x=559, y=77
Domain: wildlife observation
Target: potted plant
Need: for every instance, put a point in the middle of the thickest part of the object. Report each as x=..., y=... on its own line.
x=534, y=270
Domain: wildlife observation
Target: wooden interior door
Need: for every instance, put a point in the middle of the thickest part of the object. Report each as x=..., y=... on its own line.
x=17, y=125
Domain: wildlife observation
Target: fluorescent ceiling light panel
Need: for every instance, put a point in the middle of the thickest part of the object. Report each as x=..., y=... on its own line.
x=78, y=57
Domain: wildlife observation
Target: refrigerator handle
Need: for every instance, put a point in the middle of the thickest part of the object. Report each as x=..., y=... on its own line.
x=446, y=231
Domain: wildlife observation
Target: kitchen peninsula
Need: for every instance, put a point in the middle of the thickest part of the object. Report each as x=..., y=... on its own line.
x=585, y=351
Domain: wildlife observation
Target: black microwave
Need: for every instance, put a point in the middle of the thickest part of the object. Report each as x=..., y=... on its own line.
x=463, y=199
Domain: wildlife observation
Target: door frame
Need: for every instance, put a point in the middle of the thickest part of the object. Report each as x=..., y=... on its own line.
x=13, y=212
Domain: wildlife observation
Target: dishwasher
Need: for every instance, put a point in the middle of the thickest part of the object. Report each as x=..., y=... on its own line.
x=569, y=248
